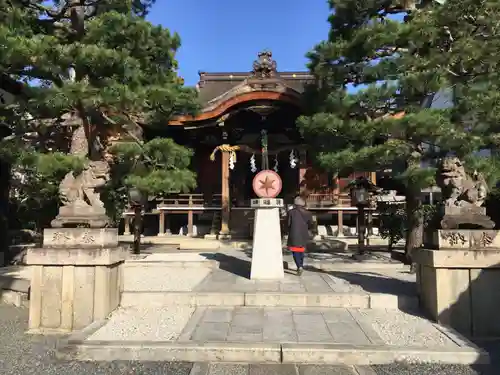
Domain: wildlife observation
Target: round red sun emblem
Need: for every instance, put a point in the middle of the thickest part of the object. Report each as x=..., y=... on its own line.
x=267, y=184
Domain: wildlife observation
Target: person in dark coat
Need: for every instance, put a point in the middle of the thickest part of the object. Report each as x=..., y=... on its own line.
x=299, y=222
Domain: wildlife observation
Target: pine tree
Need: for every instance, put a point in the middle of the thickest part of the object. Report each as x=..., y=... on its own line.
x=382, y=62
x=96, y=64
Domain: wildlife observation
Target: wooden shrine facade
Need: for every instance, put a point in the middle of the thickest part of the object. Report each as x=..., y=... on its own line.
x=242, y=113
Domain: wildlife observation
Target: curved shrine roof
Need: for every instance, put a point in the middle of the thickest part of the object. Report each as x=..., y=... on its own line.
x=220, y=91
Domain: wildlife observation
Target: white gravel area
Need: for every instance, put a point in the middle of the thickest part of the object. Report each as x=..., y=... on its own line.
x=158, y=279
x=145, y=324
x=174, y=257
x=401, y=329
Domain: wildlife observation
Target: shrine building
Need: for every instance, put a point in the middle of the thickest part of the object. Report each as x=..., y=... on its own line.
x=242, y=113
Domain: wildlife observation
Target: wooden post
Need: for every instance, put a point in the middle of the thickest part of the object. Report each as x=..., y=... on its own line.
x=302, y=166
x=369, y=227
x=225, y=199
x=137, y=229
x=161, y=224
x=190, y=217
x=167, y=223
x=340, y=223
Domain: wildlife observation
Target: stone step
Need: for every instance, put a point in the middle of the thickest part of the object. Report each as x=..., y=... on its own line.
x=155, y=285
x=351, y=337
x=269, y=299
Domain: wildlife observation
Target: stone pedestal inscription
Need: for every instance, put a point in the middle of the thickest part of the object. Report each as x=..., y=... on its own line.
x=76, y=278
x=79, y=237
x=472, y=239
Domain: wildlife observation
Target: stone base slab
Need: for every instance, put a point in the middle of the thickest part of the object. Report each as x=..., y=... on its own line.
x=271, y=299
x=333, y=354
x=267, y=203
x=65, y=298
x=474, y=239
x=80, y=237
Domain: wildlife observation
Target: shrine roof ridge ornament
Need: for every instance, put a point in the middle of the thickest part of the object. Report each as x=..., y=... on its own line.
x=265, y=66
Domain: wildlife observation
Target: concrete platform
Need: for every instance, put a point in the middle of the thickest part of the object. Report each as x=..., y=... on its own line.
x=269, y=335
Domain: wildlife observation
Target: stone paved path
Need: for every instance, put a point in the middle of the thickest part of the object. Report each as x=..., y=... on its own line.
x=377, y=281
x=276, y=325
x=22, y=354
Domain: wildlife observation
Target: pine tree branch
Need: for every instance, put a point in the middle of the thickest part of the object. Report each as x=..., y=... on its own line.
x=54, y=14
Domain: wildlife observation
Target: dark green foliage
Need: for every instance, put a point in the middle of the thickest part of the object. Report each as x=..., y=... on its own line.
x=400, y=64
x=156, y=168
x=34, y=191
x=125, y=77
x=392, y=223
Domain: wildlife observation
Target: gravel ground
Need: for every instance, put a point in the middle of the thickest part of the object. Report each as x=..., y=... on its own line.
x=402, y=329
x=148, y=324
x=22, y=354
x=402, y=369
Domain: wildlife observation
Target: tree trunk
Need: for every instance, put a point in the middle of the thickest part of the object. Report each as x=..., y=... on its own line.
x=415, y=231
x=390, y=246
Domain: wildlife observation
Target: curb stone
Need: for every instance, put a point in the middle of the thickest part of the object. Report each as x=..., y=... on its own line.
x=320, y=354
x=271, y=299
x=171, y=351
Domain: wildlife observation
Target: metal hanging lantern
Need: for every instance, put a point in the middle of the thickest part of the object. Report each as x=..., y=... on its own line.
x=135, y=196
x=360, y=196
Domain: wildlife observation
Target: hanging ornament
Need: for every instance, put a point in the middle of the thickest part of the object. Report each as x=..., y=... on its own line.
x=232, y=160
x=253, y=167
x=293, y=159
x=276, y=164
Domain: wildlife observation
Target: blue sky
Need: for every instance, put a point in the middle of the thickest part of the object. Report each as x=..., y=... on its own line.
x=224, y=35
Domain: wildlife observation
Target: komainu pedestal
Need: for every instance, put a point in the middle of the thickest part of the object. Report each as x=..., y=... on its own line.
x=267, y=252
x=458, y=279
x=458, y=273
x=76, y=278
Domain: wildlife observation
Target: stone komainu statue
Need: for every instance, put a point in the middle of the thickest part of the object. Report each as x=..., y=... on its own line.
x=457, y=187
x=81, y=200
x=463, y=196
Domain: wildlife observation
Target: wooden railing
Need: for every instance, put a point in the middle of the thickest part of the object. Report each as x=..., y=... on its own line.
x=199, y=200
x=328, y=200
x=190, y=200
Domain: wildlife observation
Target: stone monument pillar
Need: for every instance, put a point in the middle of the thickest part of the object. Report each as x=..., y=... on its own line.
x=458, y=273
x=267, y=252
